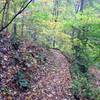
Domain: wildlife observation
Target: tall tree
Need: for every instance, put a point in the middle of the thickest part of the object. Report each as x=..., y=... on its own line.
x=5, y=14
x=56, y=9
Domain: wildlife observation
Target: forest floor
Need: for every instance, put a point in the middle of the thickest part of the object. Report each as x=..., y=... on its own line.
x=31, y=72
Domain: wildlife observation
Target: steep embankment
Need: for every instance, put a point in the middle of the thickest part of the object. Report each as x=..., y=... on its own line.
x=31, y=72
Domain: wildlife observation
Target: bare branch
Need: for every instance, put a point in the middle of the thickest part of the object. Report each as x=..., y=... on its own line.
x=19, y=12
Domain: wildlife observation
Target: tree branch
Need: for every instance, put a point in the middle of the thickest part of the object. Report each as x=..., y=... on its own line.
x=19, y=12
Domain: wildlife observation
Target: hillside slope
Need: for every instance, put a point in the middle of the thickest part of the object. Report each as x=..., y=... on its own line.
x=31, y=72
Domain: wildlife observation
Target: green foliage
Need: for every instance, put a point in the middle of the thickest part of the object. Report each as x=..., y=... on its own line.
x=96, y=93
x=40, y=57
x=40, y=16
x=21, y=81
x=23, y=84
x=86, y=52
x=82, y=88
x=4, y=90
x=20, y=75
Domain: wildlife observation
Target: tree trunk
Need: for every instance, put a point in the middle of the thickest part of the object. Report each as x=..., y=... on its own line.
x=56, y=9
x=81, y=5
x=14, y=24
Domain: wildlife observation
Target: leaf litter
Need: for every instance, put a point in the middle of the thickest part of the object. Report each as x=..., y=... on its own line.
x=33, y=72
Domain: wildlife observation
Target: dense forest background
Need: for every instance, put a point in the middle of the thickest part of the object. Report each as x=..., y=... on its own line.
x=72, y=26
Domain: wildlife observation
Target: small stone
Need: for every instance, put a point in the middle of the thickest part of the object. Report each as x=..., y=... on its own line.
x=5, y=58
x=50, y=95
x=3, y=66
x=65, y=99
x=14, y=92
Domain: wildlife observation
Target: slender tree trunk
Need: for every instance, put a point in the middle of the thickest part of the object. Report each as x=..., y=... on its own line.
x=7, y=15
x=81, y=5
x=22, y=29
x=56, y=9
x=3, y=15
x=14, y=24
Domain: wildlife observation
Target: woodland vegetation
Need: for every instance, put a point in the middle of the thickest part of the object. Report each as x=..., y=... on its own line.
x=71, y=26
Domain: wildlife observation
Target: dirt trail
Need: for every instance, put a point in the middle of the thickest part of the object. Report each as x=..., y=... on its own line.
x=56, y=84
x=62, y=65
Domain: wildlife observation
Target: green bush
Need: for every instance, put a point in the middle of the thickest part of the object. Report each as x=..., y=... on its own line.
x=20, y=80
